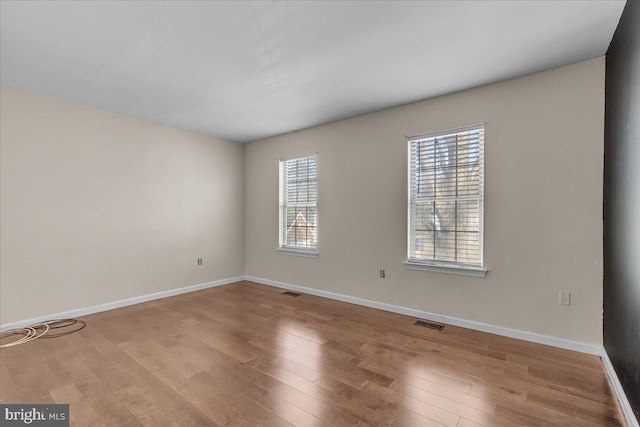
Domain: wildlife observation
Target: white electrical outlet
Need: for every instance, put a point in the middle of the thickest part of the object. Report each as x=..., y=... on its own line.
x=565, y=298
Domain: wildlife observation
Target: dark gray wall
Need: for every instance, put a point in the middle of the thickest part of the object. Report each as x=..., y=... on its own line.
x=622, y=203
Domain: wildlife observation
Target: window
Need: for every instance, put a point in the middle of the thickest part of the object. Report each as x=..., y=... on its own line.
x=446, y=181
x=299, y=205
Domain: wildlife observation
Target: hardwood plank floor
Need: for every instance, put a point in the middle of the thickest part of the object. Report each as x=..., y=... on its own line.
x=244, y=354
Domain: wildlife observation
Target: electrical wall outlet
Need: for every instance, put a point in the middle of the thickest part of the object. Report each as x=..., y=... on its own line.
x=565, y=298
x=199, y=261
x=382, y=274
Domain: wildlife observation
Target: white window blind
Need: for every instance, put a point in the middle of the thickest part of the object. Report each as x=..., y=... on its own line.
x=299, y=203
x=446, y=182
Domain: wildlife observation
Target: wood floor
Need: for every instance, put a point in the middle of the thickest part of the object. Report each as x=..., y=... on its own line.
x=245, y=354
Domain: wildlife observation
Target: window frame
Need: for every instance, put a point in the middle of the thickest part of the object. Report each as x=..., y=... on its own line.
x=431, y=264
x=283, y=248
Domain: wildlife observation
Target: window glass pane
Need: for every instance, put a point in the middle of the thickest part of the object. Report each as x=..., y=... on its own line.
x=468, y=247
x=312, y=191
x=468, y=171
x=468, y=215
x=311, y=216
x=425, y=171
x=445, y=155
x=444, y=222
x=424, y=244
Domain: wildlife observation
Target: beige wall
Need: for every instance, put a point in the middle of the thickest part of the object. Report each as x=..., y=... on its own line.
x=543, y=228
x=97, y=207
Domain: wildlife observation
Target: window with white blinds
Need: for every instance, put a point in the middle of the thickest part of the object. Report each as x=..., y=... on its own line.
x=299, y=203
x=446, y=171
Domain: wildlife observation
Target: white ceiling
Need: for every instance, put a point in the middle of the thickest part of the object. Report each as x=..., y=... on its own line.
x=248, y=70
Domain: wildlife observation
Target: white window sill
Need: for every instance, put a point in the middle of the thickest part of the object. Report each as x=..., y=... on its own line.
x=464, y=271
x=298, y=252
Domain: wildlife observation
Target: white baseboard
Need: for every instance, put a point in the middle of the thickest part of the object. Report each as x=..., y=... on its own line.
x=121, y=303
x=455, y=321
x=478, y=326
x=632, y=421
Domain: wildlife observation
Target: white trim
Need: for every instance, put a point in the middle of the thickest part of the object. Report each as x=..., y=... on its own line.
x=297, y=252
x=413, y=198
x=469, y=324
x=463, y=271
x=447, y=132
x=479, y=326
x=455, y=321
x=120, y=303
x=618, y=390
x=283, y=228
x=300, y=156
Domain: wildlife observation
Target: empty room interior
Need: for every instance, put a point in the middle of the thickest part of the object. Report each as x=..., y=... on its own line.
x=275, y=213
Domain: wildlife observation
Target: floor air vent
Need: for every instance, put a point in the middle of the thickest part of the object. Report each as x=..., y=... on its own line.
x=291, y=294
x=429, y=325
